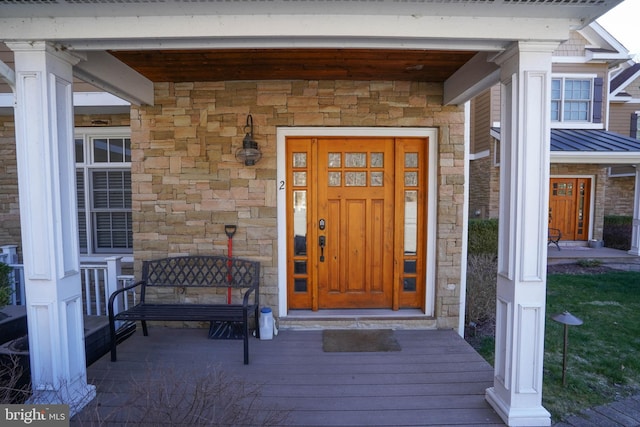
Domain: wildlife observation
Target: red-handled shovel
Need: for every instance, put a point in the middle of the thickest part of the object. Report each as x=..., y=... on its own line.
x=227, y=329
x=229, y=230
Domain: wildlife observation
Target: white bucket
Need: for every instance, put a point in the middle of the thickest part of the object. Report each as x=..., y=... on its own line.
x=266, y=324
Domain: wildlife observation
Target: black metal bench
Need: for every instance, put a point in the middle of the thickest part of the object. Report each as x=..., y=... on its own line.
x=553, y=236
x=186, y=272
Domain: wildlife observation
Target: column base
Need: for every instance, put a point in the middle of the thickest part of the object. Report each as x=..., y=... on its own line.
x=531, y=417
x=77, y=396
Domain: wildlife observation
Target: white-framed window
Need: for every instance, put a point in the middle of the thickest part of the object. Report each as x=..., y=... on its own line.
x=622, y=170
x=103, y=182
x=576, y=99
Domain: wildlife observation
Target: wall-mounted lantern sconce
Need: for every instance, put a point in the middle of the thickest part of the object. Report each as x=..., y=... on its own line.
x=249, y=154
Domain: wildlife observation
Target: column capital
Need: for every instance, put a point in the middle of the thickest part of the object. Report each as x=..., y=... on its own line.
x=519, y=47
x=56, y=50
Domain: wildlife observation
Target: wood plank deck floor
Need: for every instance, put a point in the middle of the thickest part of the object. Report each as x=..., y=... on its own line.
x=436, y=379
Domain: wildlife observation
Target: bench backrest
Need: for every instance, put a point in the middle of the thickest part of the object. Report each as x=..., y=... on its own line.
x=201, y=271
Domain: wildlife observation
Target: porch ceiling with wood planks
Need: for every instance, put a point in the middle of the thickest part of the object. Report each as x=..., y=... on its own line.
x=294, y=64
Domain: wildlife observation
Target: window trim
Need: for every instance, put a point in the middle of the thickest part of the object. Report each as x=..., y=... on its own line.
x=86, y=167
x=575, y=124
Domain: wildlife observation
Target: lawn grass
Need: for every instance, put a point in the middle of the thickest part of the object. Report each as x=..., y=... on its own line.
x=602, y=356
x=603, y=362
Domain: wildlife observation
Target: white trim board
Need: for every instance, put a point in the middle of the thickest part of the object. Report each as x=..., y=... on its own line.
x=281, y=136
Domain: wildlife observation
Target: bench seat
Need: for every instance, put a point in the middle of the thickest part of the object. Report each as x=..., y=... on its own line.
x=177, y=312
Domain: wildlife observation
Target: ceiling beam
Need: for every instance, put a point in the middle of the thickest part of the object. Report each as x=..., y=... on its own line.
x=8, y=75
x=106, y=72
x=471, y=79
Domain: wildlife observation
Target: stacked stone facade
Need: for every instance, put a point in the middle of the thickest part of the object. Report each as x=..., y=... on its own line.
x=187, y=183
x=620, y=196
x=9, y=202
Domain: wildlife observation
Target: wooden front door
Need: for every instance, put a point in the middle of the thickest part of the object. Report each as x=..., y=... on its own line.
x=357, y=222
x=569, y=201
x=355, y=201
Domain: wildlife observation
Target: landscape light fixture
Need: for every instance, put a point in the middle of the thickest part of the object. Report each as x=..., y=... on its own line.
x=567, y=319
x=249, y=154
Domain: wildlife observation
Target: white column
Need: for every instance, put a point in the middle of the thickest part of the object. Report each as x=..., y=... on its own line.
x=522, y=251
x=635, y=233
x=46, y=185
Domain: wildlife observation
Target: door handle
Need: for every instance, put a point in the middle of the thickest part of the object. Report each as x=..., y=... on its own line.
x=322, y=242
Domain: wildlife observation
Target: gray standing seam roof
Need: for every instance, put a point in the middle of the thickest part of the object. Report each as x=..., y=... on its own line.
x=589, y=140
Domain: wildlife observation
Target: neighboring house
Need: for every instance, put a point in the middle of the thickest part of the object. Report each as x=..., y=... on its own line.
x=359, y=112
x=624, y=119
x=585, y=154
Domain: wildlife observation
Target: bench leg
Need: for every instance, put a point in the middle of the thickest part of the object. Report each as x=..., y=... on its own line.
x=245, y=330
x=112, y=333
x=257, y=317
x=554, y=242
x=145, y=331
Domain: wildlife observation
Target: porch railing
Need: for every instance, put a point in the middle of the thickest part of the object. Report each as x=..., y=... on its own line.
x=99, y=281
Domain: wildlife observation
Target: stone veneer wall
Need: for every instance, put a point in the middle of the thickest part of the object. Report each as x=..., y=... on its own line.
x=10, y=233
x=9, y=203
x=620, y=195
x=187, y=184
x=599, y=187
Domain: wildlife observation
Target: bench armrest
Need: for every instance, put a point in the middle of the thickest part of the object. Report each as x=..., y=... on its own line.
x=114, y=295
x=247, y=294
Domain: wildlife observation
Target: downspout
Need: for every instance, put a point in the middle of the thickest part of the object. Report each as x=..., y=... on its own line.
x=465, y=220
x=607, y=93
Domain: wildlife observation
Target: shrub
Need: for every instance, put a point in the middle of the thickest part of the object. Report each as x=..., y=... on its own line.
x=481, y=287
x=589, y=263
x=15, y=386
x=483, y=236
x=617, y=232
x=482, y=267
x=5, y=284
x=181, y=397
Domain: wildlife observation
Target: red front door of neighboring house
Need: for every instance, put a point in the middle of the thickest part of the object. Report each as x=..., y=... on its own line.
x=569, y=200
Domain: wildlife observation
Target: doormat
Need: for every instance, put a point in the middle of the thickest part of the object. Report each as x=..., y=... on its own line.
x=359, y=340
